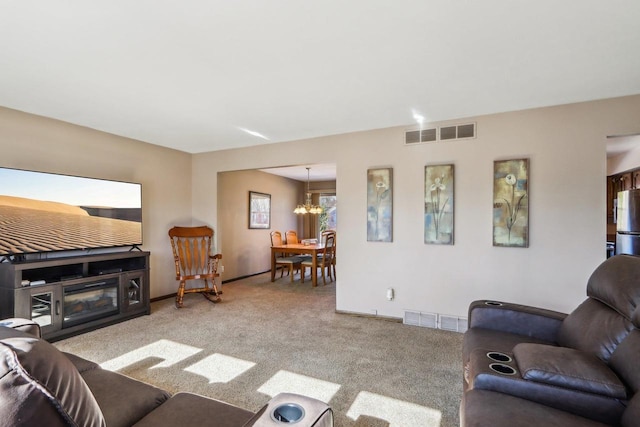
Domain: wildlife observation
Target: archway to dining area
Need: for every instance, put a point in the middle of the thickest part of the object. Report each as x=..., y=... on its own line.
x=246, y=251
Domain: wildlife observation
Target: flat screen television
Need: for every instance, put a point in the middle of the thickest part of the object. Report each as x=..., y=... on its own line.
x=46, y=212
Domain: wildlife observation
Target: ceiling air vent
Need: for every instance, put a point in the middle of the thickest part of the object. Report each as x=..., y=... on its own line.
x=420, y=136
x=447, y=133
x=467, y=131
x=458, y=132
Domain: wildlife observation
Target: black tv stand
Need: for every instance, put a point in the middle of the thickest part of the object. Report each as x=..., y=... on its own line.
x=13, y=258
x=70, y=295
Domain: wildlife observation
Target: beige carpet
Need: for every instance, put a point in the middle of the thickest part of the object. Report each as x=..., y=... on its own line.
x=265, y=338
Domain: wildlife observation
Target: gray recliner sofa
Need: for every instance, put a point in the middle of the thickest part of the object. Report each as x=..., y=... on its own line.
x=41, y=386
x=527, y=366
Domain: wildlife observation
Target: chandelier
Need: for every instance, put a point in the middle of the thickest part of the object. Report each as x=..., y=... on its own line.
x=308, y=207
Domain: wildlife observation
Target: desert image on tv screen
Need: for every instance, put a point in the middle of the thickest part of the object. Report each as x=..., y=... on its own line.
x=42, y=212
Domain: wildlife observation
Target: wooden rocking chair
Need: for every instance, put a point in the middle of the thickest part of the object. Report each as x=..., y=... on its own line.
x=192, y=255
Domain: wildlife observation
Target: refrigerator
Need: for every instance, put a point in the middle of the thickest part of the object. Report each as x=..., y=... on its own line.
x=628, y=222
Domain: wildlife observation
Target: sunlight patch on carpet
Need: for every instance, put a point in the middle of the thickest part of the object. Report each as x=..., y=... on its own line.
x=397, y=413
x=171, y=352
x=288, y=382
x=219, y=368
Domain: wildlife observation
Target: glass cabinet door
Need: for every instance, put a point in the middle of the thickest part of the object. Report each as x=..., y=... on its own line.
x=40, y=304
x=42, y=308
x=134, y=291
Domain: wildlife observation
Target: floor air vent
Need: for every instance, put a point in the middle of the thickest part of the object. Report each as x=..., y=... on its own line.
x=453, y=323
x=416, y=318
x=435, y=321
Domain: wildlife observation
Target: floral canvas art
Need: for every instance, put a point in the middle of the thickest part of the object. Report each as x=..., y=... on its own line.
x=379, y=205
x=511, y=203
x=438, y=204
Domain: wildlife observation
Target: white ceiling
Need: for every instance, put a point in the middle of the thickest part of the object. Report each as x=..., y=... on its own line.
x=617, y=145
x=192, y=74
x=317, y=172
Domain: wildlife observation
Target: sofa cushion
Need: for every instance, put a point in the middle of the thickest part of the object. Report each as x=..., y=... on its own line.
x=38, y=382
x=625, y=360
x=615, y=284
x=123, y=400
x=482, y=376
x=595, y=328
x=567, y=368
x=82, y=365
x=482, y=408
x=192, y=410
x=632, y=414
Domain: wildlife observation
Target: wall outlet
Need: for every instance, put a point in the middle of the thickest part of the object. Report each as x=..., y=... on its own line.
x=221, y=268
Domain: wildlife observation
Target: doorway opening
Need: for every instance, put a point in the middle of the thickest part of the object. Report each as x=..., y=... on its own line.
x=623, y=180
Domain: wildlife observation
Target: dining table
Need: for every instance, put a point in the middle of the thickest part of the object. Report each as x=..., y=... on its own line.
x=298, y=249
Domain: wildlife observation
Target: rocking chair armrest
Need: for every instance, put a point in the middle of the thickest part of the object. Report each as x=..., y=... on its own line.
x=214, y=260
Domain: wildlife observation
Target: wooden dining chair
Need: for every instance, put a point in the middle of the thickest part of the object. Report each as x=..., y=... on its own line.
x=191, y=248
x=323, y=262
x=292, y=237
x=323, y=236
x=335, y=248
x=282, y=261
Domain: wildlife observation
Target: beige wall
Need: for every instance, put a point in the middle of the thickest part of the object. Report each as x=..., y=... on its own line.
x=37, y=143
x=244, y=249
x=566, y=147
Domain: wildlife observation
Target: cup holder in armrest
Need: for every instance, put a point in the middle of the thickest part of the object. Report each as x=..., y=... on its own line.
x=493, y=303
x=288, y=413
x=503, y=369
x=294, y=410
x=499, y=357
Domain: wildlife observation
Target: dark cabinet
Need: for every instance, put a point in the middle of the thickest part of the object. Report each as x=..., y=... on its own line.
x=612, y=194
x=71, y=295
x=619, y=182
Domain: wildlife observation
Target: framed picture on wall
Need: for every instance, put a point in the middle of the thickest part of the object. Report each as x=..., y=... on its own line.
x=438, y=204
x=511, y=203
x=259, y=210
x=380, y=205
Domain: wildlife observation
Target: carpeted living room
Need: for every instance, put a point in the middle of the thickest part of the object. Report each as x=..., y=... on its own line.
x=265, y=338
x=474, y=151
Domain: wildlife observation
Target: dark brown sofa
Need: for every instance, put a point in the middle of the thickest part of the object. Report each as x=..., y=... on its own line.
x=41, y=386
x=527, y=366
